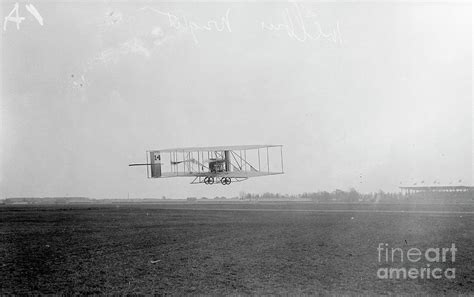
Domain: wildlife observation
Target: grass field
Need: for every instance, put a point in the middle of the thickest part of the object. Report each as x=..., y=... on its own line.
x=240, y=248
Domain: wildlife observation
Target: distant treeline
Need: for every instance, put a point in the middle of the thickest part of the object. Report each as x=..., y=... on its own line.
x=352, y=196
x=47, y=200
x=75, y=200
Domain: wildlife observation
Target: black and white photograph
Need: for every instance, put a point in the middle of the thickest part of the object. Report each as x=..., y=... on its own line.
x=239, y=148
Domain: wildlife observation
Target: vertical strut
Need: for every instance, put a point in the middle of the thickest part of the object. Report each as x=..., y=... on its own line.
x=245, y=158
x=258, y=159
x=281, y=158
x=268, y=162
x=147, y=162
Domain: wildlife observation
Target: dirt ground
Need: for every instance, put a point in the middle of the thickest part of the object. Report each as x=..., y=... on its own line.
x=245, y=248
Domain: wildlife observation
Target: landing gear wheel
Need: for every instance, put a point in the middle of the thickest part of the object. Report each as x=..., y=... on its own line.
x=226, y=180
x=208, y=180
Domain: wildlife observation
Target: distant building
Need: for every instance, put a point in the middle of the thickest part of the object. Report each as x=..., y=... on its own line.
x=436, y=189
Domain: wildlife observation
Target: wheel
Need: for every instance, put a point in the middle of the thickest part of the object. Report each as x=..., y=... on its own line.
x=206, y=180
x=210, y=180
x=226, y=180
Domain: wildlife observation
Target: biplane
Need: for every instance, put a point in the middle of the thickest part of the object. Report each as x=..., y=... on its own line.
x=214, y=165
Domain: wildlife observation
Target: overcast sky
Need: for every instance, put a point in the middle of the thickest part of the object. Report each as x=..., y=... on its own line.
x=361, y=95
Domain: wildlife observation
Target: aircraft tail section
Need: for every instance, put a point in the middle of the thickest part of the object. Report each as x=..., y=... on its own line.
x=155, y=164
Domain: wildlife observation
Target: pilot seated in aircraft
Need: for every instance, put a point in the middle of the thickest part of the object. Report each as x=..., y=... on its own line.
x=216, y=166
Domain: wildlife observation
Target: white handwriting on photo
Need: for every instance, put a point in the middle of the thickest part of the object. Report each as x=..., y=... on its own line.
x=301, y=24
x=14, y=16
x=185, y=25
x=298, y=22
